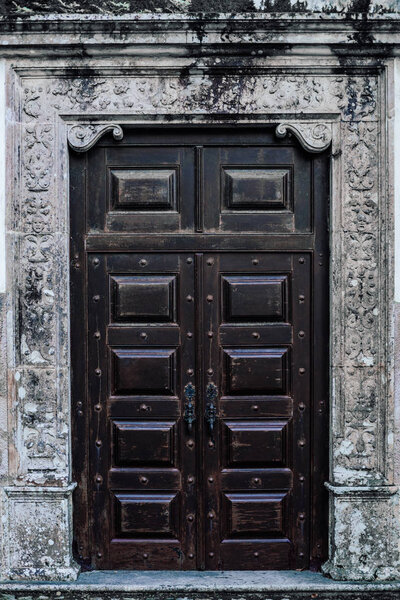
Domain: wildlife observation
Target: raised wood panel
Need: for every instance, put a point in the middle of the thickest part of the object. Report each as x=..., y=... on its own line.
x=255, y=514
x=143, y=371
x=259, y=298
x=256, y=370
x=144, y=443
x=144, y=189
x=143, y=298
x=144, y=515
x=256, y=188
x=256, y=442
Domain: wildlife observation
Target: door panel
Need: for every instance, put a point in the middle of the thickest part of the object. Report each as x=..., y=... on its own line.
x=142, y=190
x=253, y=189
x=140, y=468
x=258, y=369
x=200, y=345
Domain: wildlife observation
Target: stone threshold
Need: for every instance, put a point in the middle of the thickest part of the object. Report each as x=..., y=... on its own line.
x=170, y=584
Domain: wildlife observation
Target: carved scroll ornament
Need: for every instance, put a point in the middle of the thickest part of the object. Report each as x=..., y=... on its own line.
x=314, y=137
x=82, y=137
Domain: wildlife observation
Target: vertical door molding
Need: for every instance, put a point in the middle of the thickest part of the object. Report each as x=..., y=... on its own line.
x=364, y=496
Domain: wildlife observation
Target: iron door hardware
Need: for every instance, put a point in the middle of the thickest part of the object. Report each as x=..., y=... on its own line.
x=211, y=409
x=189, y=414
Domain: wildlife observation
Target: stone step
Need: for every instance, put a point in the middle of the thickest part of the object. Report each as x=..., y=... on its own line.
x=200, y=585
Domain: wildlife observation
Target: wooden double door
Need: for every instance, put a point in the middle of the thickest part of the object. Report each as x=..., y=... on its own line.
x=199, y=351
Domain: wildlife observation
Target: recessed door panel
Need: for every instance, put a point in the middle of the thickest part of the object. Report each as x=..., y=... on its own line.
x=256, y=189
x=144, y=515
x=144, y=189
x=250, y=443
x=138, y=371
x=144, y=443
x=199, y=350
x=255, y=298
x=255, y=514
x=256, y=371
x=144, y=299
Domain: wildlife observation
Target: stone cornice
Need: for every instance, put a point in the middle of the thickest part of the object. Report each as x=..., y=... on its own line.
x=358, y=33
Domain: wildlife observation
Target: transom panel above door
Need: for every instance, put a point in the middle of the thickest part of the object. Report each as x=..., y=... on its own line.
x=233, y=184
x=199, y=341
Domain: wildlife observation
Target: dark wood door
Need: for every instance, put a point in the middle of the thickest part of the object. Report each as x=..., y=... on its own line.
x=199, y=351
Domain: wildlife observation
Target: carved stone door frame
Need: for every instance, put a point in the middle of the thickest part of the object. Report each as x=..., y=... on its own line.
x=50, y=108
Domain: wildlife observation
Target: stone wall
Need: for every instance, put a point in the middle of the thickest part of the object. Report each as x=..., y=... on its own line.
x=68, y=81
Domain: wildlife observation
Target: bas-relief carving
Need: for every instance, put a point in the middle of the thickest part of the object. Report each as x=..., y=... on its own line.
x=37, y=299
x=42, y=428
x=360, y=329
x=314, y=137
x=38, y=157
x=355, y=98
x=83, y=137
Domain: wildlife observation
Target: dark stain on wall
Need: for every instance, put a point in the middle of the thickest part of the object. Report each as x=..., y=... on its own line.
x=221, y=6
x=120, y=7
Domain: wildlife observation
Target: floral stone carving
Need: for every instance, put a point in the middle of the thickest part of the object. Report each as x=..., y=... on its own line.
x=319, y=109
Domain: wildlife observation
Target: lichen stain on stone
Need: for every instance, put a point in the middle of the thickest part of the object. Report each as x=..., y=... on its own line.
x=216, y=6
x=120, y=7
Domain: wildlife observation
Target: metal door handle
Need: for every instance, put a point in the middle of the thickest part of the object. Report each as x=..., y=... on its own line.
x=211, y=409
x=189, y=414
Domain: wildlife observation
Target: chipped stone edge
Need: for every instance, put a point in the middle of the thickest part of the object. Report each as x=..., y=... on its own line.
x=351, y=491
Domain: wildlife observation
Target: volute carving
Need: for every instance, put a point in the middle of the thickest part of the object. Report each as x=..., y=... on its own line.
x=314, y=137
x=82, y=137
